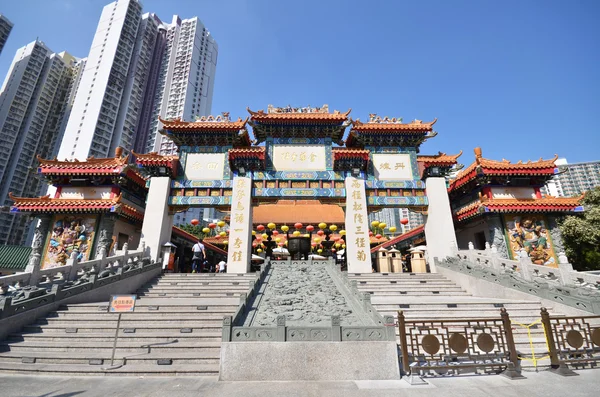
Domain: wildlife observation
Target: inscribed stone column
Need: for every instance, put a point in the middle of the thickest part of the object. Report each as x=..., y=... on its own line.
x=358, y=249
x=439, y=226
x=240, y=226
x=158, y=223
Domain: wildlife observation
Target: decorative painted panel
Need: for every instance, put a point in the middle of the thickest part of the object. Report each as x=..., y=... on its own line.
x=305, y=175
x=290, y=192
x=199, y=200
x=528, y=234
x=395, y=184
x=187, y=183
x=69, y=232
x=398, y=201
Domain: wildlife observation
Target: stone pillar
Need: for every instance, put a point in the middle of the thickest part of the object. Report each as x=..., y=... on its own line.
x=105, y=230
x=439, y=226
x=158, y=223
x=37, y=247
x=240, y=226
x=358, y=252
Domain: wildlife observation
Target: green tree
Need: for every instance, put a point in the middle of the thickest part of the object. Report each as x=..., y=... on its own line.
x=581, y=234
x=191, y=229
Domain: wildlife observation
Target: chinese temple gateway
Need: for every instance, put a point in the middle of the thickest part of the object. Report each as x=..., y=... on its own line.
x=292, y=168
x=298, y=154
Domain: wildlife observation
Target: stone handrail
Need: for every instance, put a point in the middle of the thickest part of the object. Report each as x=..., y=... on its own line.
x=562, y=284
x=103, y=265
x=562, y=275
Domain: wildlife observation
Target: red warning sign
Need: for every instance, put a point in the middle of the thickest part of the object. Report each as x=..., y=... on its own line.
x=122, y=303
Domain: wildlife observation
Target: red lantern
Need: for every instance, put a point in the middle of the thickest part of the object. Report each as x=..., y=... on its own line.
x=333, y=250
x=313, y=244
x=218, y=236
x=298, y=225
x=194, y=222
x=336, y=238
x=212, y=225
x=378, y=236
x=320, y=232
x=275, y=232
x=310, y=228
x=370, y=234
x=254, y=245
x=404, y=221
x=280, y=244
x=260, y=228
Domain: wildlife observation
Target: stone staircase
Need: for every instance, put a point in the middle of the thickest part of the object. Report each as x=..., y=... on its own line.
x=431, y=296
x=174, y=330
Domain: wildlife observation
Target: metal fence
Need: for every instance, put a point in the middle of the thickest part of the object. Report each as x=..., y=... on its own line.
x=455, y=346
x=572, y=341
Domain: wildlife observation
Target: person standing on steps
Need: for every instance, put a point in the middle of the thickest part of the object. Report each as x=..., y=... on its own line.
x=198, y=256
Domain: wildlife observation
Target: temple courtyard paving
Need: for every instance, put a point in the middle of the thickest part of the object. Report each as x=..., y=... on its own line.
x=537, y=384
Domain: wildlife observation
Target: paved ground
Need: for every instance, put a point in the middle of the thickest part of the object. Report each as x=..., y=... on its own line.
x=541, y=384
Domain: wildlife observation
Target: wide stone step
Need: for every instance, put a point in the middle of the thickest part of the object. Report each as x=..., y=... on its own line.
x=202, y=349
x=146, y=329
x=199, y=316
x=127, y=323
x=84, y=357
x=145, y=302
x=138, y=336
x=206, y=370
x=388, y=282
x=99, y=308
x=188, y=288
x=431, y=307
x=399, y=292
x=190, y=294
x=99, y=316
x=412, y=287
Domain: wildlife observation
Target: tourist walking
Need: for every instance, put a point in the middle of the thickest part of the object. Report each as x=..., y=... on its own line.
x=198, y=256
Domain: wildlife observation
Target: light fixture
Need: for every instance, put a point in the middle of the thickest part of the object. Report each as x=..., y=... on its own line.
x=434, y=171
x=355, y=171
x=162, y=170
x=242, y=171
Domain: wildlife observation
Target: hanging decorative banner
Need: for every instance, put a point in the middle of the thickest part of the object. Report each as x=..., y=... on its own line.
x=358, y=249
x=238, y=255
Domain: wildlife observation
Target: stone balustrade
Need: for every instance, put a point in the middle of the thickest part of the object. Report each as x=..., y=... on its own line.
x=559, y=284
x=102, y=266
x=563, y=275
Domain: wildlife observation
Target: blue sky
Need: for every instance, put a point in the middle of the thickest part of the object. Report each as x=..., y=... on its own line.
x=520, y=78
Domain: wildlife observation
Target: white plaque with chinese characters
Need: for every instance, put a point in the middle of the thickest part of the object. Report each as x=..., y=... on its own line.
x=299, y=158
x=240, y=231
x=358, y=248
x=204, y=166
x=392, y=167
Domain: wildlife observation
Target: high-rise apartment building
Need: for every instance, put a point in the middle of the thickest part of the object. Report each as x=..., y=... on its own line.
x=5, y=28
x=100, y=99
x=32, y=103
x=186, y=78
x=138, y=69
x=573, y=179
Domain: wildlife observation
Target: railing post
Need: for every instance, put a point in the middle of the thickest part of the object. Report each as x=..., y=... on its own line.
x=525, y=267
x=564, y=269
x=558, y=367
x=226, y=331
x=125, y=254
x=513, y=371
x=74, y=262
x=280, y=337
x=403, y=343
